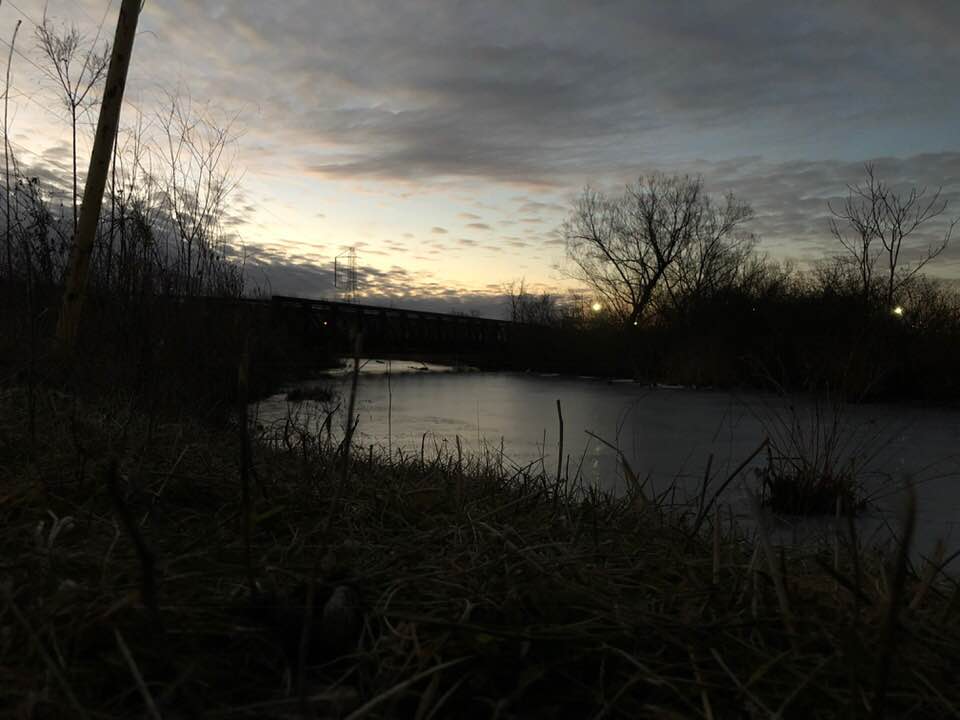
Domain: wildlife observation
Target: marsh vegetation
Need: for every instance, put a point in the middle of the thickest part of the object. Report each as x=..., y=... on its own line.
x=141, y=575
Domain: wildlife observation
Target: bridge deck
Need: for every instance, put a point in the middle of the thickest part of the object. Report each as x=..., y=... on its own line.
x=381, y=310
x=391, y=331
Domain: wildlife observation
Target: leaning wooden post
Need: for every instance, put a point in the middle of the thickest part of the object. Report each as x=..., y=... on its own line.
x=75, y=288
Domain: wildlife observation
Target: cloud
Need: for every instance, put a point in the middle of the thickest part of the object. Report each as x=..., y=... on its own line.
x=791, y=199
x=509, y=108
x=518, y=93
x=274, y=271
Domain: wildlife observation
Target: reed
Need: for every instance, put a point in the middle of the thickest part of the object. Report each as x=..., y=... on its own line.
x=814, y=458
x=378, y=593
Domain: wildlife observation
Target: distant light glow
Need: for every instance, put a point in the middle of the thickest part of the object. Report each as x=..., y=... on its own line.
x=596, y=307
x=898, y=311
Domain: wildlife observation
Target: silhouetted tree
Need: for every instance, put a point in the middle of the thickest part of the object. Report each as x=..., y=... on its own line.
x=873, y=225
x=65, y=49
x=197, y=178
x=624, y=247
x=526, y=307
x=710, y=264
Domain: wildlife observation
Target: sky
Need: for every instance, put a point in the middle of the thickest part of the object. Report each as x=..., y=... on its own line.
x=446, y=140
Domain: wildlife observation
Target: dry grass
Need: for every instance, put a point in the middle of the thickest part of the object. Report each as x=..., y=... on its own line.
x=788, y=490
x=423, y=587
x=814, y=459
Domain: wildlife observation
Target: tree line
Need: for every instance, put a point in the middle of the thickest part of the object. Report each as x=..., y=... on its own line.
x=665, y=244
x=674, y=288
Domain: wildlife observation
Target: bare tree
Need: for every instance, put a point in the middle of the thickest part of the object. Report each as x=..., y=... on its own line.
x=166, y=221
x=717, y=258
x=857, y=238
x=873, y=225
x=527, y=307
x=130, y=255
x=198, y=178
x=66, y=49
x=624, y=247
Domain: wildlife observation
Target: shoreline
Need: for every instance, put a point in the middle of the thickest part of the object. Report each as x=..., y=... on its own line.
x=413, y=587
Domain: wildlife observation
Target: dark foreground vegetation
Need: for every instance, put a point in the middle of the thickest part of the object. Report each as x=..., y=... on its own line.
x=162, y=568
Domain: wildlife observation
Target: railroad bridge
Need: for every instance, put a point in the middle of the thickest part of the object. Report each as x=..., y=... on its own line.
x=390, y=332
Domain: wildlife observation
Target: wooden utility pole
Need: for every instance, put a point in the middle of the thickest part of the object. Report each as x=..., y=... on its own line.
x=107, y=124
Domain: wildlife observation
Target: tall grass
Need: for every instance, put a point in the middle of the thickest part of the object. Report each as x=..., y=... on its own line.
x=164, y=225
x=440, y=586
x=815, y=459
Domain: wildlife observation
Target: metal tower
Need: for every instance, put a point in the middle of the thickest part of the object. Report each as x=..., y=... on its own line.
x=345, y=273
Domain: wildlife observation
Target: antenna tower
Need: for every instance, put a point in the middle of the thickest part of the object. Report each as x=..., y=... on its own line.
x=345, y=273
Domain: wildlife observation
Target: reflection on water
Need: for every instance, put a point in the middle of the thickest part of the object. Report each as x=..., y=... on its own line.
x=667, y=434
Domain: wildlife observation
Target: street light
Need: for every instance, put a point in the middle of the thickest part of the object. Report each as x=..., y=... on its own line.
x=898, y=311
x=596, y=307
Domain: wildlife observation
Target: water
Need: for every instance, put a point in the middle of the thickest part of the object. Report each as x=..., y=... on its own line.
x=666, y=434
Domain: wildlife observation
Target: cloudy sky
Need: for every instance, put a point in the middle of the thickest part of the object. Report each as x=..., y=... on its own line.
x=446, y=139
